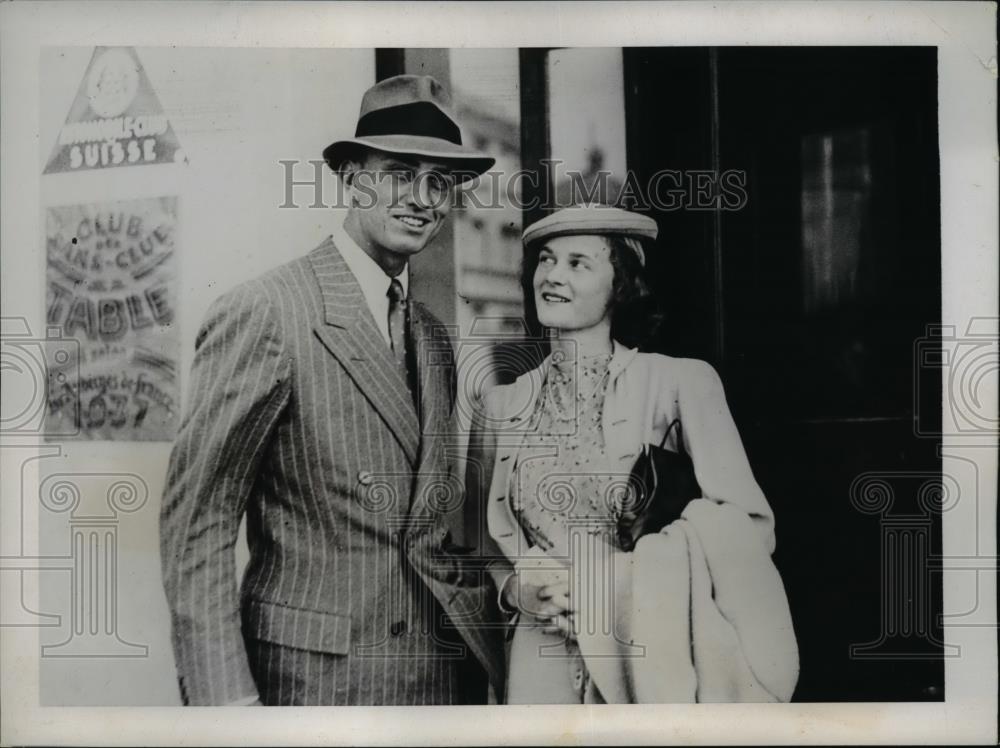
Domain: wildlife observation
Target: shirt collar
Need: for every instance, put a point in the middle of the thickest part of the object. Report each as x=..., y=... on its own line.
x=621, y=356
x=373, y=279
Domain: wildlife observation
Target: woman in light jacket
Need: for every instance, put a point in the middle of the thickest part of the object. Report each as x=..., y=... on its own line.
x=589, y=621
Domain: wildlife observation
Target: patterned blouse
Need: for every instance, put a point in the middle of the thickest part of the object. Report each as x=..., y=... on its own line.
x=569, y=488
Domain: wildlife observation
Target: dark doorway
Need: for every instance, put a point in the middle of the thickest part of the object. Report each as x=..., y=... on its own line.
x=811, y=300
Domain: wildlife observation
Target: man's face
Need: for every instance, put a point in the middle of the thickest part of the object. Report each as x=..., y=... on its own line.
x=399, y=204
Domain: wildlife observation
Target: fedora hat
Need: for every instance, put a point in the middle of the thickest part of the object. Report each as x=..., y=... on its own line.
x=592, y=218
x=409, y=115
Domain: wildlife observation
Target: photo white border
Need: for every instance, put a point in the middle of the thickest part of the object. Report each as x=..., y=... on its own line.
x=965, y=36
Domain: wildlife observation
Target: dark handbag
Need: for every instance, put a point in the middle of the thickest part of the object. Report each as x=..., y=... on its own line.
x=661, y=484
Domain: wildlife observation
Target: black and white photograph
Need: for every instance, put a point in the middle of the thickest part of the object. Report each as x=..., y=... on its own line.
x=601, y=372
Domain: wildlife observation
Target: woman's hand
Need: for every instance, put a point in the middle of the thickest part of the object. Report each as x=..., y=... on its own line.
x=545, y=601
x=555, y=598
x=540, y=588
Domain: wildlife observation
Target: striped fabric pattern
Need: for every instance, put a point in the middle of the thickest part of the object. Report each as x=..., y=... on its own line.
x=300, y=418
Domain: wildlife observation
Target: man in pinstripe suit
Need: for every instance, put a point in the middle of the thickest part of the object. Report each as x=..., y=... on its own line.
x=321, y=409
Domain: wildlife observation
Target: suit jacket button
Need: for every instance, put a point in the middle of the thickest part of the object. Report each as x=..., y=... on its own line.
x=398, y=628
x=365, y=478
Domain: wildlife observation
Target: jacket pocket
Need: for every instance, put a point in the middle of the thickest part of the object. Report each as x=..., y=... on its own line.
x=298, y=628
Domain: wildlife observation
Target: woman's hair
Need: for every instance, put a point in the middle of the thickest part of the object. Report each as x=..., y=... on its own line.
x=635, y=315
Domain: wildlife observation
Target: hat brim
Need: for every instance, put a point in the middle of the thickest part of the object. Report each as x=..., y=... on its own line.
x=590, y=227
x=465, y=163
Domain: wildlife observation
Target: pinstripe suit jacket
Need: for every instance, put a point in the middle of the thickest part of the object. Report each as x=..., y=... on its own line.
x=300, y=418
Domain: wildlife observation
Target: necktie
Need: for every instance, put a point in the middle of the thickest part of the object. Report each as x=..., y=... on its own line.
x=397, y=336
x=397, y=322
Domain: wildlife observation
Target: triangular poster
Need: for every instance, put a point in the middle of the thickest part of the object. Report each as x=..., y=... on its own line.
x=116, y=119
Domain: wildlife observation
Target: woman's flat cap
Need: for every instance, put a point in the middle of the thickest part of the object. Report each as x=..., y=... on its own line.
x=592, y=218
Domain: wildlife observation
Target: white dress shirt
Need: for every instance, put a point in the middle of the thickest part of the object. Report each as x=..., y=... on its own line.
x=373, y=279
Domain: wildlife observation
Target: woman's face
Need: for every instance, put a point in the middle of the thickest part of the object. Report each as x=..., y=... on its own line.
x=573, y=282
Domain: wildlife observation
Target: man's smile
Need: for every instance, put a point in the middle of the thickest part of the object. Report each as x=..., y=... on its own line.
x=415, y=222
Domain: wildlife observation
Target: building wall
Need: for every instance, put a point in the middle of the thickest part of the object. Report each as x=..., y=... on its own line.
x=236, y=113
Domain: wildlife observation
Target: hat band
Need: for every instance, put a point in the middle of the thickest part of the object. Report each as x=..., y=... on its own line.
x=417, y=118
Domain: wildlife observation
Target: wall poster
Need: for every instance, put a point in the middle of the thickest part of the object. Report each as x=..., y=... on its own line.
x=110, y=299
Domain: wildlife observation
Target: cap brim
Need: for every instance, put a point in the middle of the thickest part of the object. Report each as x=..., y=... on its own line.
x=465, y=163
x=590, y=226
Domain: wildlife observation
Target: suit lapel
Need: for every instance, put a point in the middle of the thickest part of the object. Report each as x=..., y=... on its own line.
x=514, y=422
x=435, y=370
x=352, y=337
x=432, y=356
